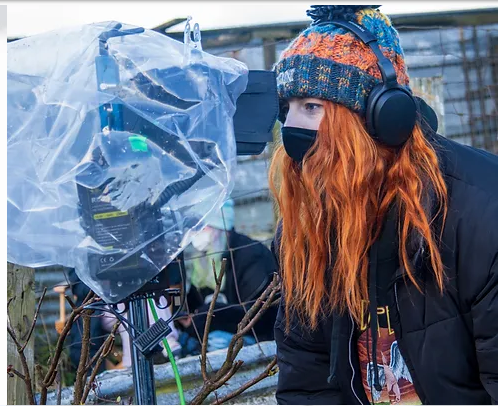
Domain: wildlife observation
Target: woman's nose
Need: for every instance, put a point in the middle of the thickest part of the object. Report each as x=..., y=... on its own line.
x=290, y=118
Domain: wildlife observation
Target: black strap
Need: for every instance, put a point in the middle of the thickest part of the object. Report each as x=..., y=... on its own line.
x=372, y=293
x=334, y=350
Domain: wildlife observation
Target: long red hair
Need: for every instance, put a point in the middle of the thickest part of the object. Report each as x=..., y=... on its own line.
x=332, y=209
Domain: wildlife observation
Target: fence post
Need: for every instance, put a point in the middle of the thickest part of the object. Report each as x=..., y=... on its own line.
x=431, y=89
x=21, y=288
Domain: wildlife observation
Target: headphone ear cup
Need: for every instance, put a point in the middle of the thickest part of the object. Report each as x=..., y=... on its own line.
x=370, y=110
x=393, y=115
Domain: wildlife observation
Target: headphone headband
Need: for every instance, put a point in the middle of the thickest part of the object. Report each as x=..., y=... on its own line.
x=385, y=66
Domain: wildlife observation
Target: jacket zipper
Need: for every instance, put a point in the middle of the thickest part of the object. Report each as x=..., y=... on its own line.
x=350, y=362
x=396, y=294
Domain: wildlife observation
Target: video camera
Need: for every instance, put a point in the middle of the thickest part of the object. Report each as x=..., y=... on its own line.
x=144, y=225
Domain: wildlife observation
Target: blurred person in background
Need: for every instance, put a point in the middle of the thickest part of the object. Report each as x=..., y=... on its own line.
x=249, y=271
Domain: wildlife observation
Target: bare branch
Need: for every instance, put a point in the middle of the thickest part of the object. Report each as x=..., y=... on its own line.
x=79, y=382
x=269, y=370
x=230, y=365
x=50, y=375
x=58, y=349
x=233, y=350
x=235, y=367
x=60, y=342
x=27, y=378
x=13, y=335
x=11, y=371
x=89, y=298
x=35, y=317
x=104, y=350
x=210, y=387
x=24, y=363
x=246, y=324
x=254, y=308
x=209, y=317
x=261, y=311
x=100, y=351
x=70, y=301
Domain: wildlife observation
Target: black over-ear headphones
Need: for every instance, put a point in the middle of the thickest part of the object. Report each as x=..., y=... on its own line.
x=391, y=111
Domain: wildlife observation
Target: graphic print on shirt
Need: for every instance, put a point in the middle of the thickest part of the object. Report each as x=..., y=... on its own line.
x=394, y=376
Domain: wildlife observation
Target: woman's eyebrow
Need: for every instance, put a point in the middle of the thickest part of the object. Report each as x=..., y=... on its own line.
x=311, y=100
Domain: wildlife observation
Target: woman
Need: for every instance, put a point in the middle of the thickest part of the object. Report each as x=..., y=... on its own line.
x=388, y=252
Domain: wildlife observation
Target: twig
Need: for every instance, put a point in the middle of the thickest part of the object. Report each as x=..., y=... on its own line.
x=235, y=367
x=230, y=366
x=105, y=349
x=10, y=330
x=50, y=375
x=11, y=371
x=267, y=372
x=209, y=386
x=207, y=326
x=258, y=315
x=233, y=350
x=236, y=342
x=193, y=324
x=25, y=368
x=197, y=334
x=100, y=351
x=34, y=319
x=88, y=298
x=79, y=382
x=60, y=342
x=70, y=301
x=273, y=286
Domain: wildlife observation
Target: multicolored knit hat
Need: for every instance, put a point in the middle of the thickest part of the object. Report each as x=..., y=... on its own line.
x=329, y=62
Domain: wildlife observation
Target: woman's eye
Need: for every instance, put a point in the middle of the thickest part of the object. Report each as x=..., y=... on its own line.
x=312, y=106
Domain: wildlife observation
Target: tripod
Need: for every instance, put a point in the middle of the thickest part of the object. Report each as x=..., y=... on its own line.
x=142, y=367
x=144, y=340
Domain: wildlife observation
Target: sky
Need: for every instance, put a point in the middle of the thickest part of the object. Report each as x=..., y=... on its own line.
x=30, y=18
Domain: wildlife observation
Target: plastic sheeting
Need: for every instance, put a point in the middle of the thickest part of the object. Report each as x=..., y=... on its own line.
x=119, y=147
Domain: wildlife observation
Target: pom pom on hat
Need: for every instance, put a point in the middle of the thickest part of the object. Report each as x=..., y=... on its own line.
x=322, y=14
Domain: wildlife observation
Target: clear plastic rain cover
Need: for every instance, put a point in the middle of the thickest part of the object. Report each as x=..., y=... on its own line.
x=120, y=144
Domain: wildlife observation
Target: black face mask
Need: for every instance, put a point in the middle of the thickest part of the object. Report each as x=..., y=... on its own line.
x=297, y=141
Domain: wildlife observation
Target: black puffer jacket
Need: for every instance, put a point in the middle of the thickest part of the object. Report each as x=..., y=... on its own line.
x=449, y=341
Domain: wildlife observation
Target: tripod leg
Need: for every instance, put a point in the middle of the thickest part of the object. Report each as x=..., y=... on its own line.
x=143, y=368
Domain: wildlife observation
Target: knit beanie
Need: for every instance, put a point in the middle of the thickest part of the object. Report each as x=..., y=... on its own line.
x=329, y=62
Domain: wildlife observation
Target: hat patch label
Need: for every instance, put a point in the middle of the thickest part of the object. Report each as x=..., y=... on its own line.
x=285, y=77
